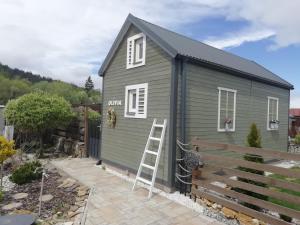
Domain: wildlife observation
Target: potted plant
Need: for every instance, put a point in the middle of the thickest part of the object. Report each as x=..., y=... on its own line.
x=274, y=124
x=227, y=123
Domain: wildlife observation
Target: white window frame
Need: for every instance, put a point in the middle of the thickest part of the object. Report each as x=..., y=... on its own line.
x=134, y=51
x=219, y=109
x=128, y=100
x=268, y=116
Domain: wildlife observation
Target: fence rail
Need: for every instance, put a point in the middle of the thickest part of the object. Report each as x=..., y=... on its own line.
x=222, y=163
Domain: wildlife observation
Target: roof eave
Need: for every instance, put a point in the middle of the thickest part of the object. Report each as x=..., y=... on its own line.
x=237, y=72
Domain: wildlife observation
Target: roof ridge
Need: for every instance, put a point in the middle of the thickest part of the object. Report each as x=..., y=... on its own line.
x=195, y=40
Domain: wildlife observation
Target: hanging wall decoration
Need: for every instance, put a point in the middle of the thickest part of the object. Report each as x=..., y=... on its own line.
x=111, y=117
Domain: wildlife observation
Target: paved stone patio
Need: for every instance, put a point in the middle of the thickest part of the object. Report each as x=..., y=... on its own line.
x=114, y=203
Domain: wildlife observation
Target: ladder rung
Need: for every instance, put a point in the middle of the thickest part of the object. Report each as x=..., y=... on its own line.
x=159, y=125
x=148, y=166
x=152, y=152
x=144, y=180
x=154, y=139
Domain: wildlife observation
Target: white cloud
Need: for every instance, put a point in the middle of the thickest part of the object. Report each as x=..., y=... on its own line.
x=237, y=39
x=68, y=39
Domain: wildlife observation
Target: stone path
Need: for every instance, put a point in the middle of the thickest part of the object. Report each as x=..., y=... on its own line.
x=113, y=202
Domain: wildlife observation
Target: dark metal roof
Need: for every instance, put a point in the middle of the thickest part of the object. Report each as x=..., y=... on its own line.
x=178, y=45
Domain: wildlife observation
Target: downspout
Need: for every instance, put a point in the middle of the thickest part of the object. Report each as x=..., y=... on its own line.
x=102, y=121
x=288, y=139
x=183, y=102
x=173, y=124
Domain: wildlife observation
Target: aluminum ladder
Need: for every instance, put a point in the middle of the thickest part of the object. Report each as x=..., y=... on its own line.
x=157, y=153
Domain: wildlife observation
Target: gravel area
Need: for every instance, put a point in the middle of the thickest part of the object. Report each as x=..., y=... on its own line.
x=61, y=201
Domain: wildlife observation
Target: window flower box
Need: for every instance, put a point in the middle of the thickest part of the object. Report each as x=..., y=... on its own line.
x=274, y=124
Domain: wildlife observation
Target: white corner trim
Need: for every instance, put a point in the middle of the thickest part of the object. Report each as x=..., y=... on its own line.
x=219, y=109
x=268, y=119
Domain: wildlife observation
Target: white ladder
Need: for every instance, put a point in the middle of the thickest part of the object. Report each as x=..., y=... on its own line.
x=151, y=152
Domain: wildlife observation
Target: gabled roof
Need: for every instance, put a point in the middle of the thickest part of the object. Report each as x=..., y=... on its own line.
x=178, y=45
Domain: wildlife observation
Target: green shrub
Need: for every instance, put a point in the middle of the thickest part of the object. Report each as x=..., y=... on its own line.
x=26, y=173
x=297, y=139
x=253, y=140
x=93, y=115
x=1, y=195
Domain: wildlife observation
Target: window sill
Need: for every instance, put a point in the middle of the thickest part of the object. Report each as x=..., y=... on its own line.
x=135, y=117
x=135, y=66
x=269, y=129
x=226, y=131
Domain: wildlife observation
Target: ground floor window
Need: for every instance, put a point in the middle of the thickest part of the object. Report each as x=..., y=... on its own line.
x=272, y=121
x=226, y=109
x=136, y=97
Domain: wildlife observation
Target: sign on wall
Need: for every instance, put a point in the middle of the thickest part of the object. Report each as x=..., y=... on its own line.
x=114, y=102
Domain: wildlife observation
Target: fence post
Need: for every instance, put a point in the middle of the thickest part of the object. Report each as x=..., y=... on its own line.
x=86, y=129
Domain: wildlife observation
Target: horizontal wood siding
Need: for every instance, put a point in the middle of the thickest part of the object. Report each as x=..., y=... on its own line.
x=251, y=106
x=125, y=143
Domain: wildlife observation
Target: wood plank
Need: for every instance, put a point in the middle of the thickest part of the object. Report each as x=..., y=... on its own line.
x=255, y=201
x=249, y=187
x=252, y=165
x=239, y=208
x=250, y=150
x=251, y=176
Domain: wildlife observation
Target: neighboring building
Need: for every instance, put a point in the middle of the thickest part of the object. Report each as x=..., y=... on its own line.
x=294, y=123
x=151, y=72
x=2, y=120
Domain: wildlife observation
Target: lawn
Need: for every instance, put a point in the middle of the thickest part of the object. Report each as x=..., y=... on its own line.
x=296, y=193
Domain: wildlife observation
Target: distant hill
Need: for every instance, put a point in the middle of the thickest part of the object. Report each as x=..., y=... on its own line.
x=17, y=73
x=15, y=83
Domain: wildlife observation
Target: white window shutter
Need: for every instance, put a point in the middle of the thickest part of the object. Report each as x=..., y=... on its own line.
x=142, y=101
x=129, y=53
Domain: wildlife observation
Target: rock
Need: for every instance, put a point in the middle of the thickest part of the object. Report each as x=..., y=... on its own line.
x=255, y=222
x=208, y=203
x=17, y=219
x=244, y=219
x=11, y=206
x=71, y=214
x=20, y=196
x=22, y=211
x=229, y=213
x=74, y=208
x=216, y=206
x=67, y=183
x=47, y=198
x=82, y=192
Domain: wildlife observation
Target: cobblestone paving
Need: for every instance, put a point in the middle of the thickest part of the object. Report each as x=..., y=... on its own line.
x=113, y=202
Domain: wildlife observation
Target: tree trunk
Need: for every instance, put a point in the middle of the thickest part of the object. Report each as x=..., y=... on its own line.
x=41, y=153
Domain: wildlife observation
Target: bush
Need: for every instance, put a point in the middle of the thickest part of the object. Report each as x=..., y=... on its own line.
x=253, y=140
x=297, y=139
x=93, y=115
x=26, y=173
x=1, y=195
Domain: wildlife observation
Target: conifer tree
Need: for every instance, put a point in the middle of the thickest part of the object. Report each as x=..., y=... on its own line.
x=89, y=85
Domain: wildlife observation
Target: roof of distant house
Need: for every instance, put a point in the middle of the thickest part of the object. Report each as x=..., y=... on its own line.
x=178, y=45
x=294, y=112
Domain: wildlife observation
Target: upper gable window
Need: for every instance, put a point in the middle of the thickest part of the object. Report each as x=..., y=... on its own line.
x=136, y=50
x=226, y=109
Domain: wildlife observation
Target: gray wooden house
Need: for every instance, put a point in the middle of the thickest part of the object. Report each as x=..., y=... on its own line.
x=151, y=72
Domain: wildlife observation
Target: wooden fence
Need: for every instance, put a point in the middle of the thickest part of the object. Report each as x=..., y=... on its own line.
x=217, y=180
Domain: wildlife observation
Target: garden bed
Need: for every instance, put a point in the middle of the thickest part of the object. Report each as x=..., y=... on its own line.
x=63, y=199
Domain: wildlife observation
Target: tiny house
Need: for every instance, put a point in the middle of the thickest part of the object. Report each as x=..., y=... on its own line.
x=151, y=72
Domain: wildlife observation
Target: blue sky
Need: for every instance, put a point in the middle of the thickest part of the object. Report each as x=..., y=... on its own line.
x=68, y=40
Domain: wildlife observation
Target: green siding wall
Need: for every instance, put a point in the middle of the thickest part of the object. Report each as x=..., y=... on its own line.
x=251, y=106
x=125, y=143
